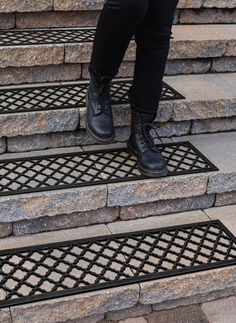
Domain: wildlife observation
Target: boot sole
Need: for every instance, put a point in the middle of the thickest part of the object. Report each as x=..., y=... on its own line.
x=91, y=132
x=147, y=172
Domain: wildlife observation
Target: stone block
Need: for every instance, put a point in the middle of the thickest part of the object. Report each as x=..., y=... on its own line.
x=225, y=198
x=50, y=203
x=60, y=222
x=166, y=207
x=189, y=289
x=5, y=229
x=17, y=56
x=77, y=306
x=135, y=311
x=7, y=20
x=150, y=190
x=25, y=5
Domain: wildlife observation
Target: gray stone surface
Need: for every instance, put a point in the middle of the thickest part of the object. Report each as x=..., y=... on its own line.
x=134, y=311
x=29, y=123
x=186, y=314
x=150, y=190
x=35, y=74
x=64, y=201
x=5, y=316
x=225, y=198
x=213, y=125
x=166, y=206
x=57, y=236
x=60, y=222
x=189, y=288
x=16, y=56
x=77, y=306
x=25, y=5
x=157, y=221
x=2, y=145
x=5, y=229
x=220, y=310
x=226, y=214
x=220, y=148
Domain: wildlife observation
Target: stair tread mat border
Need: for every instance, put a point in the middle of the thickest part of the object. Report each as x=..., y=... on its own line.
x=77, y=169
x=67, y=95
x=52, y=270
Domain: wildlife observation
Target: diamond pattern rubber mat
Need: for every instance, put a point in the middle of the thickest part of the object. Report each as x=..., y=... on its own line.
x=46, y=36
x=70, y=95
x=51, y=172
x=64, y=268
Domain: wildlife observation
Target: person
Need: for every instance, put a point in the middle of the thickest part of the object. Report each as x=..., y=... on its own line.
x=150, y=21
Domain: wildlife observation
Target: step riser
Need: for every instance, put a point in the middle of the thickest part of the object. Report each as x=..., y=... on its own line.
x=81, y=138
x=44, y=55
x=77, y=71
x=90, y=18
x=113, y=214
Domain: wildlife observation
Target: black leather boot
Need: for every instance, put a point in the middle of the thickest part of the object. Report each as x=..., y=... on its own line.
x=140, y=143
x=99, y=119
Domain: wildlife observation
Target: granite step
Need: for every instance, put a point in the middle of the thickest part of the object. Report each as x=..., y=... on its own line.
x=190, y=41
x=22, y=14
x=194, y=49
x=33, y=120
x=107, y=202
x=207, y=287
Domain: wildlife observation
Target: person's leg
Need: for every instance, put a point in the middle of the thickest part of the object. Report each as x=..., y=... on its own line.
x=116, y=25
x=153, y=42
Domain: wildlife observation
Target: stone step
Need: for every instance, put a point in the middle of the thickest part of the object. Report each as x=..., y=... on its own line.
x=108, y=202
x=194, y=49
x=116, y=303
x=189, y=42
x=22, y=14
x=209, y=106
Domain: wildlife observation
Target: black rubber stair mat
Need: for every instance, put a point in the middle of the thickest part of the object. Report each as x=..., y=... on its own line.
x=52, y=270
x=59, y=171
x=18, y=37
x=67, y=95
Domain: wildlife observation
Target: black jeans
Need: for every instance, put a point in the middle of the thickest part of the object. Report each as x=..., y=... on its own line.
x=150, y=21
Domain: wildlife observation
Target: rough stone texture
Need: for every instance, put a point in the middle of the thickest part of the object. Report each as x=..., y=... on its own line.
x=2, y=145
x=187, y=66
x=220, y=16
x=36, y=74
x=64, y=201
x=166, y=207
x=186, y=314
x=134, y=320
x=5, y=316
x=151, y=190
x=77, y=5
x=7, y=20
x=25, y=5
x=220, y=310
x=37, y=122
x=12, y=242
x=134, y=311
x=225, y=198
x=224, y=213
x=16, y=56
x=221, y=150
x=223, y=64
x=88, y=319
x=5, y=229
x=59, y=222
x=56, y=19
x=213, y=125
x=157, y=221
x=77, y=306
x=189, y=288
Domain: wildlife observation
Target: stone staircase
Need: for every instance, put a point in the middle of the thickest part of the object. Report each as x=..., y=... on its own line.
x=201, y=66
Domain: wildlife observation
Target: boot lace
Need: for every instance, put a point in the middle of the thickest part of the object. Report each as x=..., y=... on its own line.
x=146, y=139
x=103, y=95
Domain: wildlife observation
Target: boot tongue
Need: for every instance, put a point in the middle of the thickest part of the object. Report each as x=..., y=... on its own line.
x=147, y=117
